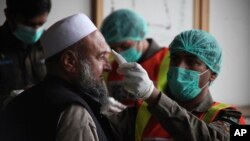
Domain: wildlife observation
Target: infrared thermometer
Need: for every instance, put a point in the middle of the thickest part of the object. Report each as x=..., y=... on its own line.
x=118, y=58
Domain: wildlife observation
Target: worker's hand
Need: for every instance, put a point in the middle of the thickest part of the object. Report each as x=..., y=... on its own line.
x=111, y=106
x=136, y=80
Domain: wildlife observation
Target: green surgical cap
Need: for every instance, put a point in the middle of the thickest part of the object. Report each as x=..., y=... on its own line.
x=201, y=44
x=123, y=25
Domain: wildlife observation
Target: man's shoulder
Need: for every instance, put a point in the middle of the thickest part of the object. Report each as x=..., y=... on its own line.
x=76, y=121
x=77, y=115
x=77, y=111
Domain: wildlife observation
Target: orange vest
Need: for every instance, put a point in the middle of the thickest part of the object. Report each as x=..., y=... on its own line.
x=153, y=128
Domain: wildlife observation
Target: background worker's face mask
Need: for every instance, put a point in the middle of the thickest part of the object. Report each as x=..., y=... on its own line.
x=184, y=84
x=27, y=34
x=131, y=54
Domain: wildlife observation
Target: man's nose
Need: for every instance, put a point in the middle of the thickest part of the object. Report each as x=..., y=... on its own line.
x=182, y=64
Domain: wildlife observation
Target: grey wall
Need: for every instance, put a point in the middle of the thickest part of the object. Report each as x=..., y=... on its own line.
x=229, y=23
x=2, y=6
x=63, y=8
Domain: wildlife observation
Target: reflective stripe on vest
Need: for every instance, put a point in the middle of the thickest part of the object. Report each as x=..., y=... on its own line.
x=143, y=115
x=142, y=119
x=162, y=77
x=213, y=111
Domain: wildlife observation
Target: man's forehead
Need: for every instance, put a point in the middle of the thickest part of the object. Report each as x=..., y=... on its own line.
x=38, y=20
x=95, y=42
x=184, y=53
x=104, y=49
x=124, y=43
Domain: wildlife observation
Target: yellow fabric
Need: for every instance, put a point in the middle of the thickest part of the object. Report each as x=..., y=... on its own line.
x=111, y=59
x=213, y=111
x=142, y=119
x=143, y=114
x=162, y=81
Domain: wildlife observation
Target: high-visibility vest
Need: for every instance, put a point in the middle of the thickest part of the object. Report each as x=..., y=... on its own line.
x=153, y=129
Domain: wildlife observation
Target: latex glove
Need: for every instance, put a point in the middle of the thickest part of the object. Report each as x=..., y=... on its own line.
x=136, y=80
x=111, y=106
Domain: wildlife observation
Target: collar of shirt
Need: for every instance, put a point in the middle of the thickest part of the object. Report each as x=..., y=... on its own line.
x=152, y=49
x=204, y=105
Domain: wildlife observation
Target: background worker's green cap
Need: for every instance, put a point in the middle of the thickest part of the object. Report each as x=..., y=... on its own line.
x=123, y=25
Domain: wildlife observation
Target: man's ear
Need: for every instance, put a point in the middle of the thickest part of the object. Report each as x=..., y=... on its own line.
x=68, y=61
x=213, y=76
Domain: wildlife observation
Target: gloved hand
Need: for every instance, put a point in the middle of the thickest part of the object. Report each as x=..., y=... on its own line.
x=111, y=106
x=136, y=80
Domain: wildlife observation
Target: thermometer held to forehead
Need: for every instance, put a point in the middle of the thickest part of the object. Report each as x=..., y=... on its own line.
x=118, y=58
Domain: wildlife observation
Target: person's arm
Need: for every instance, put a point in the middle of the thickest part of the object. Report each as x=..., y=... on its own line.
x=180, y=123
x=76, y=124
x=183, y=125
x=154, y=97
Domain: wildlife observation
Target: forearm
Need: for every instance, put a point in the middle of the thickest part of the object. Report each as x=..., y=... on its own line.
x=183, y=125
x=154, y=97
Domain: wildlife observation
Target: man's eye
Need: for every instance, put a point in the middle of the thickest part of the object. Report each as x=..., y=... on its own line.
x=193, y=62
x=125, y=47
x=174, y=59
x=103, y=57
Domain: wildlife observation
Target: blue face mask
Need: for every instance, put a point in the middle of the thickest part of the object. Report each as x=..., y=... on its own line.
x=184, y=84
x=27, y=34
x=131, y=54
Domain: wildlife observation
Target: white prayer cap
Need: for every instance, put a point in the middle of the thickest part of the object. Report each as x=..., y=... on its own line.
x=65, y=33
